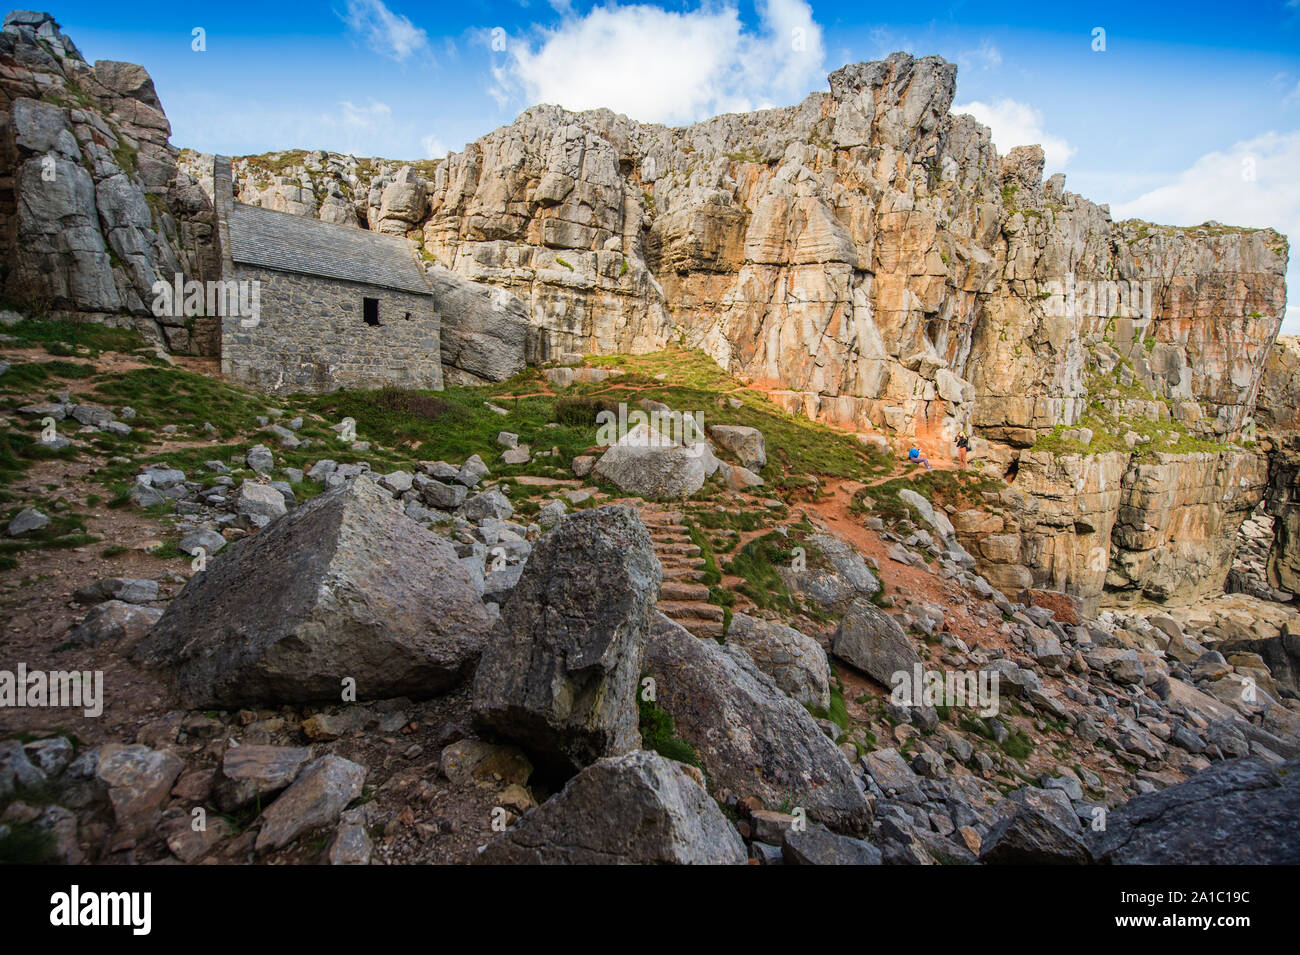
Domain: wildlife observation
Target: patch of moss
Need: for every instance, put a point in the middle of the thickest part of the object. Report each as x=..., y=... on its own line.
x=659, y=733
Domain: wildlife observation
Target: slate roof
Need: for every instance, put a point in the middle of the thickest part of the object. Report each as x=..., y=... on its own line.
x=290, y=243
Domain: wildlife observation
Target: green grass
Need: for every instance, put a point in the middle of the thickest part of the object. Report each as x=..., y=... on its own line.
x=173, y=396
x=837, y=712
x=1017, y=745
x=19, y=451
x=757, y=565
x=797, y=448
x=26, y=377
x=658, y=733
x=84, y=339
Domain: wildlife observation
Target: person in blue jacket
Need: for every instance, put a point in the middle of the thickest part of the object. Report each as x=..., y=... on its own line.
x=916, y=457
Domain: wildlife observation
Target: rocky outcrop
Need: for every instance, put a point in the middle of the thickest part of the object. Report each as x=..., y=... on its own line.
x=560, y=671
x=867, y=253
x=93, y=209
x=1116, y=528
x=345, y=592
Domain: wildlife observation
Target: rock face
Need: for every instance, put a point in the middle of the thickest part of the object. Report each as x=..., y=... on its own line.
x=1116, y=528
x=485, y=330
x=753, y=740
x=1240, y=812
x=794, y=660
x=638, y=808
x=560, y=669
x=345, y=587
x=96, y=209
x=866, y=255
x=866, y=251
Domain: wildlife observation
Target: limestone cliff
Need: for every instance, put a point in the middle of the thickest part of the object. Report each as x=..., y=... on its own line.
x=92, y=208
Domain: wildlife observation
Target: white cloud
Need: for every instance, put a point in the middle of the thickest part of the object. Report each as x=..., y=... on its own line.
x=658, y=65
x=355, y=129
x=386, y=32
x=1019, y=124
x=1254, y=183
x=433, y=147
x=986, y=57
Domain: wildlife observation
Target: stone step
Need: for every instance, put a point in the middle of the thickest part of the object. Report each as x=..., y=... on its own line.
x=695, y=564
x=704, y=629
x=693, y=610
x=686, y=550
x=683, y=590
x=690, y=574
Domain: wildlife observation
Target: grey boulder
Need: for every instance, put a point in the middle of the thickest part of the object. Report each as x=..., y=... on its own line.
x=752, y=738
x=871, y=640
x=638, y=808
x=559, y=672
x=345, y=587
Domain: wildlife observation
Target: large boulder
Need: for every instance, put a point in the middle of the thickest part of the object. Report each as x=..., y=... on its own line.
x=1032, y=837
x=835, y=575
x=794, y=660
x=638, y=808
x=652, y=465
x=560, y=670
x=484, y=333
x=752, y=738
x=1239, y=812
x=746, y=444
x=871, y=640
x=345, y=587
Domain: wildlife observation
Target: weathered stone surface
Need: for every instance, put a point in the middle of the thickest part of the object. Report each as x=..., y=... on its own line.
x=638, y=808
x=115, y=622
x=317, y=796
x=818, y=846
x=747, y=444
x=560, y=669
x=840, y=577
x=126, y=589
x=651, y=465
x=794, y=660
x=251, y=772
x=25, y=521
x=753, y=740
x=1030, y=837
x=471, y=760
x=484, y=329
x=1240, y=812
x=873, y=642
x=345, y=587
x=139, y=781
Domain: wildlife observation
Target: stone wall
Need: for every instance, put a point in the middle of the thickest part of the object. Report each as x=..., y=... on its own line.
x=311, y=336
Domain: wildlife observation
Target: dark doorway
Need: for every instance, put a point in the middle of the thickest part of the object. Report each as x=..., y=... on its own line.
x=370, y=310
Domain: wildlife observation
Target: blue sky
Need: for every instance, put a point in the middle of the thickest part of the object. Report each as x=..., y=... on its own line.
x=1191, y=111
